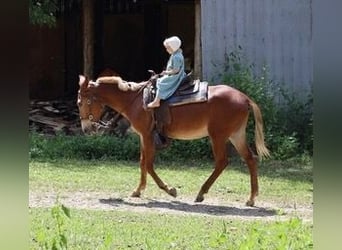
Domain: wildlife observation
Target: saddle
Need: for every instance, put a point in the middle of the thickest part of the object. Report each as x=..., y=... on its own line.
x=189, y=91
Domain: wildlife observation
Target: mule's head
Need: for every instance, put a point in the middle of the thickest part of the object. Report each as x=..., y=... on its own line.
x=89, y=106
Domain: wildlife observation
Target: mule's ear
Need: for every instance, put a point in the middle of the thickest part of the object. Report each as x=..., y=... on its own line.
x=83, y=81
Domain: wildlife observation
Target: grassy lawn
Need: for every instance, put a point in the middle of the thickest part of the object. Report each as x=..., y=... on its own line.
x=282, y=184
x=279, y=182
x=128, y=230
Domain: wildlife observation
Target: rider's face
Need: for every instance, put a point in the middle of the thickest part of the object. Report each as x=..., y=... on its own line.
x=169, y=49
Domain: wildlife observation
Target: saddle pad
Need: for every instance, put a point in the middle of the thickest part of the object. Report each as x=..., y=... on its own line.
x=200, y=95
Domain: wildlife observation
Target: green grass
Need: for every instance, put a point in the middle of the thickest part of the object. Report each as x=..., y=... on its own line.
x=281, y=184
x=128, y=230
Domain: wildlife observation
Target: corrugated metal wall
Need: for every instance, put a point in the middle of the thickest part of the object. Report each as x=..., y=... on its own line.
x=277, y=33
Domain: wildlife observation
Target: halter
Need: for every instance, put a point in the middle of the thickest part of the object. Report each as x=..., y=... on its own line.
x=89, y=101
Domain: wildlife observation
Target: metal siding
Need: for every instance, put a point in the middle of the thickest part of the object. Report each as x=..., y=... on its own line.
x=276, y=33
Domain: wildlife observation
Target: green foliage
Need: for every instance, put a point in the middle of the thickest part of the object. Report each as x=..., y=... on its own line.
x=117, y=229
x=42, y=12
x=288, y=119
x=278, y=235
x=199, y=149
x=55, y=236
x=83, y=147
x=110, y=147
x=285, y=146
x=297, y=118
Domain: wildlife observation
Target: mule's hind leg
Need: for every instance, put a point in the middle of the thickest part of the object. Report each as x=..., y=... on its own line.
x=240, y=143
x=221, y=161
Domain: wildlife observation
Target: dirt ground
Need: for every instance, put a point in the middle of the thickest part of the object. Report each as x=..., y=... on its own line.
x=209, y=207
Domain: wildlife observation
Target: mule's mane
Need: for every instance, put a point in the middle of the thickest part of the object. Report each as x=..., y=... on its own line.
x=122, y=84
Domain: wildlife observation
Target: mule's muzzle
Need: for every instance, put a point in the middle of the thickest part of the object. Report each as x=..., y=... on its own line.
x=88, y=127
x=92, y=128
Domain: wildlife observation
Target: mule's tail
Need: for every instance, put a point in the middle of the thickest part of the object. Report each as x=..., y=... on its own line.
x=259, y=131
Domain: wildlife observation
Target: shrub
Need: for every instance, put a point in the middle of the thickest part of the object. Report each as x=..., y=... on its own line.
x=297, y=116
x=84, y=147
x=111, y=148
x=199, y=149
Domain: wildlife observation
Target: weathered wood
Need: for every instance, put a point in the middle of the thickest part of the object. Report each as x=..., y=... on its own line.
x=57, y=124
x=52, y=117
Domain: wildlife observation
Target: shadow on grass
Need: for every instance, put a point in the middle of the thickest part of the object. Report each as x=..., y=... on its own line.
x=199, y=208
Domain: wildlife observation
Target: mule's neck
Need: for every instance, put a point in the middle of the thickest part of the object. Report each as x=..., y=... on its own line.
x=122, y=101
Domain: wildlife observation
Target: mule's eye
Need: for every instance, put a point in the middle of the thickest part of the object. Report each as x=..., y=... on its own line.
x=88, y=102
x=79, y=102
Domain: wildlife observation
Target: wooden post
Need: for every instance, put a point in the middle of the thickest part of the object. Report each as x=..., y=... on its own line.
x=88, y=7
x=197, y=41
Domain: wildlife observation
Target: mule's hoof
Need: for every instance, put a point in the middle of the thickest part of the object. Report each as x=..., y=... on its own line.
x=199, y=199
x=250, y=203
x=135, y=194
x=173, y=192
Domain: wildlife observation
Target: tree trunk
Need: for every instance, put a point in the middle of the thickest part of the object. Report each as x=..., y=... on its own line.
x=197, y=45
x=88, y=7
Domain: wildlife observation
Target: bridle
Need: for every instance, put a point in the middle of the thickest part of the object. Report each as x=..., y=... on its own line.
x=92, y=99
x=89, y=101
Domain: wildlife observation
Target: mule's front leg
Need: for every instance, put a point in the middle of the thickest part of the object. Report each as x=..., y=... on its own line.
x=143, y=174
x=149, y=150
x=162, y=185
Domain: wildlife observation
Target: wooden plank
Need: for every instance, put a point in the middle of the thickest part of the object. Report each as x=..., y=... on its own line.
x=56, y=124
